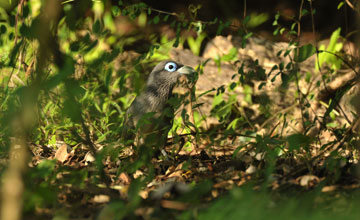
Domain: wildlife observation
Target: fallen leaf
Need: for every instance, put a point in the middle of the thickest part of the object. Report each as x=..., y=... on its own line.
x=168, y=204
x=137, y=174
x=62, y=153
x=101, y=198
x=144, y=194
x=210, y=167
x=226, y=184
x=307, y=180
x=89, y=157
x=214, y=193
x=329, y=188
x=251, y=169
x=124, y=178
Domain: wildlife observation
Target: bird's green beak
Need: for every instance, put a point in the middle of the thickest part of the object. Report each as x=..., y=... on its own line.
x=186, y=70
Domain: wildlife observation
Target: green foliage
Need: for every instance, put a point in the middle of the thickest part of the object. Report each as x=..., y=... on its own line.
x=279, y=29
x=304, y=52
x=340, y=5
x=195, y=44
x=245, y=203
x=256, y=19
x=328, y=54
x=68, y=77
x=298, y=141
x=231, y=56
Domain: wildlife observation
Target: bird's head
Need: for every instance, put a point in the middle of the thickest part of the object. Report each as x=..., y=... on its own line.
x=167, y=73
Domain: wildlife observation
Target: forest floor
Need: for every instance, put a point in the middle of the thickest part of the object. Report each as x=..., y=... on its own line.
x=271, y=153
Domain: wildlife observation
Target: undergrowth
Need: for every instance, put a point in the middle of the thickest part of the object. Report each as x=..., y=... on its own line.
x=68, y=74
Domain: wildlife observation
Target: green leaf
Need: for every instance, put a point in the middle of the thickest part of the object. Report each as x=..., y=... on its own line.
x=45, y=168
x=304, y=12
x=222, y=26
x=206, y=92
x=166, y=18
x=246, y=20
x=256, y=19
x=75, y=46
x=52, y=141
x=333, y=47
x=277, y=16
x=197, y=105
x=234, y=124
x=334, y=102
x=276, y=32
x=217, y=99
x=3, y=29
x=15, y=50
x=304, y=52
x=248, y=94
x=282, y=30
x=177, y=39
x=296, y=141
x=195, y=44
x=72, y=110
x=96, y=27
x=340, y=5
x=115, y=10
x=231, y=55
x=156, y=19
x=333, y=40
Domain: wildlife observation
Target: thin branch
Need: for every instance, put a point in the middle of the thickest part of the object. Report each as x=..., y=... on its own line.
x=19, y=10
x=350, y=5
x=342, y=59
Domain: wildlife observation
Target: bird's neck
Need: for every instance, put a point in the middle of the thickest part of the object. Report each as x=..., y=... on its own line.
x=161, y=92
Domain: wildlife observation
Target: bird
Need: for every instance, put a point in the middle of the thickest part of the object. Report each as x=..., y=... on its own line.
x=149, y=118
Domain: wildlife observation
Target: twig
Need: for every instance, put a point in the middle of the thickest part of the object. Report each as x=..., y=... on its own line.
x=164, y=12
x=19, y=10
x=336, y=145
x=207, y=132
x=88, y=138
x=192, y=118
x=342, y=59
x=317, y=59
x=295, y=67
x=276, y=114
x=350, y=5
x=244, y=9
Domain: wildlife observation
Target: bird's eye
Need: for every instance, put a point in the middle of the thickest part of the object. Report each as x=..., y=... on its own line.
x=170, y=66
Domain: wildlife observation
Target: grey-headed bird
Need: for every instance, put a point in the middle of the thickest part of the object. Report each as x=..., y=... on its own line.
x=151, y=115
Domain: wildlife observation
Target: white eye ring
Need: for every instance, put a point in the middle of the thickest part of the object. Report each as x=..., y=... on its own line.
x=170, y=66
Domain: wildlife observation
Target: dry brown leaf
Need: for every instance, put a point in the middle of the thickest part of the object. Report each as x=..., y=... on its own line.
x=226, y=184
x=89, y=157
x=329, y=188
x=170, y=170
x=137, y=174
x=144, y=194
x=210, y=167
x=168, y=204
x=62, y=153
x=124, y=178
x=307, y=180
x=251, y=169
x=175, y=171
x=214, y=193
x=101, y=198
